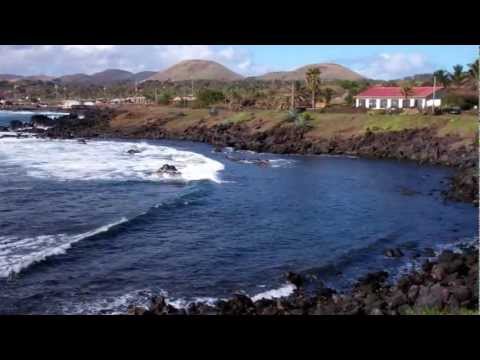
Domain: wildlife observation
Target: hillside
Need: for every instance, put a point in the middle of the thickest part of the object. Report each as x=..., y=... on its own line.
x=9, y=77
x=328, y=72
x=141, y=76
x=196, y=70
x=107, y=77
x=110, y=76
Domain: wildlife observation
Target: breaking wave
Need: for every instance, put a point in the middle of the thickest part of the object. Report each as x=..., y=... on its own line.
x=18, y=254
x=104, y=160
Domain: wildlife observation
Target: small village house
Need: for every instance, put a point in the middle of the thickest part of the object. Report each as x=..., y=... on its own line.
x=183, y=99
x=68, y=104
x=386, y=97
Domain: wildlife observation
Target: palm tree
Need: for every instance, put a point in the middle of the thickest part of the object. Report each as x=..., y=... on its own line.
x=443, y=77
x=328, y=93
x=407, y=90
x=473, y=70
x=312, y=79
x=458, y=75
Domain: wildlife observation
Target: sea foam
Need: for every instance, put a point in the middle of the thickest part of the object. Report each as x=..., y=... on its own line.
x=17, y=254
x=66, y=160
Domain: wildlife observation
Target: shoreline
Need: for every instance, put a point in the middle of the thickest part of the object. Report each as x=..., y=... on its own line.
x=448, y=284
x=421, y=145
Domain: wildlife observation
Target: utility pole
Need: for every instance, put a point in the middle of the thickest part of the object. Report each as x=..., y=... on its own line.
x=293, y=96
x=192, y=87
x=434, y=88
x=156, y=96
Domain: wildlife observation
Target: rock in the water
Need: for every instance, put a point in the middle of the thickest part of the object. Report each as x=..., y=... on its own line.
x=168, y=169
x=134, y=151
x=295, y=279
x=393, y=253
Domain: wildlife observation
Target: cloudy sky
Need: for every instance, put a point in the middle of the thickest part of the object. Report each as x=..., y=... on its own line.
x=376, y=61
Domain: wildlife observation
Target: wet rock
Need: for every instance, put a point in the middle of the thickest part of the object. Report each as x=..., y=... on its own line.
x=461, y=293
x=428, y=252
x=168, y=169
x=439, y=271
x=413, y=292
x=238, y=305
x=376, y=311
x=397, y=299
x=134, y=151
x=158, y=305
x=393, y=253
x=446, y=256
x=295, y=279
x=136, y=310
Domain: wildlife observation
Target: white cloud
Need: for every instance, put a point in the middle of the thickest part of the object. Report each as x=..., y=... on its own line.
x=58, y=60
x=388, y=66
x=227, y=53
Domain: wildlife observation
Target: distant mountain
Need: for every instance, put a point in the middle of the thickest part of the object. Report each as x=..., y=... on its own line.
x=111, y=76
x=9, y=77
x=38, y=78
x=328, y=72
x=75, y=79
x=144, y=75
x=107, y=77
x=196, y=70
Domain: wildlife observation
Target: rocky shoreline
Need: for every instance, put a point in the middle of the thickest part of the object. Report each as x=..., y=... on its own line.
x=419, y=145
x=445, y=285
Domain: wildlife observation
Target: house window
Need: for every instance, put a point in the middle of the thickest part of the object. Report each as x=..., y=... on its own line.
x=394, y=103
x=372, y=103
x=362, y=103
x=383, y=103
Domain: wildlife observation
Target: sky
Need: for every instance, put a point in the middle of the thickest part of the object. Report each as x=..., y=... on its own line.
x=374, y=61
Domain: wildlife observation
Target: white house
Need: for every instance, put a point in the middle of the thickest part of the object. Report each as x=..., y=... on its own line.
x=386, y=97
x=67, y=104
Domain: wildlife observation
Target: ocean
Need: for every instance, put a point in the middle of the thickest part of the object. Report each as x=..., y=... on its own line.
x=90, y=228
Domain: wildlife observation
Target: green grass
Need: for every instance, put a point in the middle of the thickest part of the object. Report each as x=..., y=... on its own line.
x=463, y=126
x=397, y=122
x=239, y=117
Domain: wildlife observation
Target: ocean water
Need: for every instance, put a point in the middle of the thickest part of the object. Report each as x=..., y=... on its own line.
x=89, y=228
x=7, y=116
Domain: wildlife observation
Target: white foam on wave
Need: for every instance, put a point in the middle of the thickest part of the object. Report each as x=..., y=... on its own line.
x=282, y=291
x=50, y=114
x=104, y=160
x=142, y=298
x=112, y=305
x=280, y=163
x=17, y=254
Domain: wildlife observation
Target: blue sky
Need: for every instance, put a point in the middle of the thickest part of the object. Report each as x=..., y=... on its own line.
x=375, y=61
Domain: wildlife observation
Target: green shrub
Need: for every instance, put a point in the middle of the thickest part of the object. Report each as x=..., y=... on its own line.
x=164, y=98
x=454, y=100
x=206, y=97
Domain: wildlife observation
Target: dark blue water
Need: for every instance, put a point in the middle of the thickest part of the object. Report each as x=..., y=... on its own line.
x=7, y=116
x=330, y=217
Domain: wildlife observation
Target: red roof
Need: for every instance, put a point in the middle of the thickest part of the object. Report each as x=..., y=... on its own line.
x=396, y=91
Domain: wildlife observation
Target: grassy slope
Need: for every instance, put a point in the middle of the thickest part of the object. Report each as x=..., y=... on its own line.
x=324, y=125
